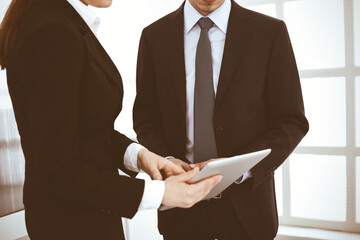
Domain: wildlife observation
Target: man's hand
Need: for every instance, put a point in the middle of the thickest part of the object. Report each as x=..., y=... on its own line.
x=179, y=193
x=201, y=165
x=186, y=167
x=157, y=167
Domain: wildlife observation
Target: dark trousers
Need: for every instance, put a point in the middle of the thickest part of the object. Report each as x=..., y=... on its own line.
x=73, y=227
x=208, y=220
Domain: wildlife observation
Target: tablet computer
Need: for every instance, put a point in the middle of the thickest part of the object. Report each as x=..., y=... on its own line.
x=231, y=169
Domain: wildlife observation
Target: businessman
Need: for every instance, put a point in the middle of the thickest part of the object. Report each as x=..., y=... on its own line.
x=216, y=80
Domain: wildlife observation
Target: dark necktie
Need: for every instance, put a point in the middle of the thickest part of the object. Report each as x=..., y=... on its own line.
x=204, y=97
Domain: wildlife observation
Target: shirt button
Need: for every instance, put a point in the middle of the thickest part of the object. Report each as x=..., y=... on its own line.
x=219, y=130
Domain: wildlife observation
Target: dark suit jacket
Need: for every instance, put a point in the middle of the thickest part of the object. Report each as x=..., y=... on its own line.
x=66, y=94
x=258, y=105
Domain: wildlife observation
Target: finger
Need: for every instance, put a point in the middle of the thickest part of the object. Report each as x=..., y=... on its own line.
x=161, y=163
x=200, y=189
x=168, y=172
x=217, y=179
x=207, y=184
x=183, y=167
x=213, y=180
x=200, y=165
x=188, y=175
x=172, y=168
x=186, y=166
x=155, y=174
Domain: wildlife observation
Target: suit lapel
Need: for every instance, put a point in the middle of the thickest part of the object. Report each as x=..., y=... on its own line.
x=97, y=51
x=237, y=38
x=101, y=58
x=175, y=51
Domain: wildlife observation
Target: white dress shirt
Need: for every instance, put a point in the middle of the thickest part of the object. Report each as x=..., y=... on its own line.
x=154, y=190
x=89, y=17
x=217, y=35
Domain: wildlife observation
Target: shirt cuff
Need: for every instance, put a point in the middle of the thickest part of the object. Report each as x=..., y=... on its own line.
x=244, y=177
x=153, y=194
x=131, y=156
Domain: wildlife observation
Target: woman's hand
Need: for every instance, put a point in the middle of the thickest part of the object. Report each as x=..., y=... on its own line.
x=180, y=193
x=157, y=167
x=201, y=165
x=186, y=167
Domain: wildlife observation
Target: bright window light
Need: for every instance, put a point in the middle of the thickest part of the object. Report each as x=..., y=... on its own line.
x=357, y=31
x=357, y=111
x=318, y=187
x=267, y=9
x=279, y=190
x=317, y=32
x=325, y=108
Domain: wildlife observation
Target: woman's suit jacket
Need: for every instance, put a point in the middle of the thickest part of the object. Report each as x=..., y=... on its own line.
x=66, y=94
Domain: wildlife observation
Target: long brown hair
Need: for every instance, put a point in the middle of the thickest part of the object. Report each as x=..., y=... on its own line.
x=10, y=26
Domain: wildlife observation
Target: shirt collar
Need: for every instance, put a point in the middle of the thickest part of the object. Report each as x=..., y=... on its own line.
x=89, y=17
x=220, y=16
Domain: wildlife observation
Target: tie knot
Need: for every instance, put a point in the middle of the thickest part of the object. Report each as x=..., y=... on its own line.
x=205, y=23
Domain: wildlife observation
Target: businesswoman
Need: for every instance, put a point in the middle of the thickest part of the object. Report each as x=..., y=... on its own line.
x=66, y=93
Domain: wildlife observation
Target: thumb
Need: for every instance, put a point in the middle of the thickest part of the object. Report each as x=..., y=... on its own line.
x=187, y=176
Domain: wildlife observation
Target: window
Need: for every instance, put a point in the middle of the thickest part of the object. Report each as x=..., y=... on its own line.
x=12, y=165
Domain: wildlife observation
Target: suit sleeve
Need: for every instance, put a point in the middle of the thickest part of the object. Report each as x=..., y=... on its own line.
x=120, y=145
x=51, y=63
x=286, y=124
x=146, y=112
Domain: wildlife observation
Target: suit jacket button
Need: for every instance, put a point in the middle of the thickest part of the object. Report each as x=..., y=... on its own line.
x=219, y=130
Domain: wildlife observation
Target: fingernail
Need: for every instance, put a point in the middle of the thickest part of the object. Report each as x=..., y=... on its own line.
x=192, y=165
